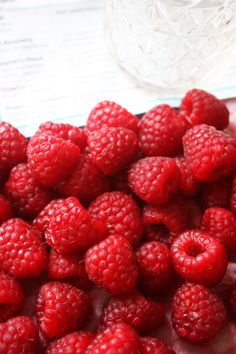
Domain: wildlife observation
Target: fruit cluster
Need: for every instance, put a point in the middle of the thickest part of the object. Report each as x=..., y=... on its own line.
x=112, y=232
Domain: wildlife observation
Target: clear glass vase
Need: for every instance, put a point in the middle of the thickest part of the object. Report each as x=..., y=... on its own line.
x=172, y=44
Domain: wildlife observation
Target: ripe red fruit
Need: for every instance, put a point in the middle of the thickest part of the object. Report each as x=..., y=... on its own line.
x=113, y=149
x=73, y=343
x=19, y=335
x=25, y=193
x=118, y=338
x=210, y=153
x=197, y=313
x=86, y=182
x=154, y=179
x=199, y=258
x=6, y=211
x=233, y=196
x=64, y=131
x=111, y=114
x=51, y=159
x=216, y=194
x=221, y=224
x=12, y=147
x=166, y=138
x=22, y=253
x=155, y=267
x=152, y=345
x=188, y=185
x=11, y=297
x=60, y=308
x=71, y=229
x=200, y=107
x=120, y=213
x=111, y=265
x=134, y=309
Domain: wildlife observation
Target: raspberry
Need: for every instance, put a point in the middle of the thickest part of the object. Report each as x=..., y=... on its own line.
x=111, y=265
x=233, y=196
x=221, y=223
x=18, y=335
x=86, y=182
x=60, y=308
x=199, y=258
x=73, y=343
x=68, y=267
x=188, y=185
x=233, y=299
x=64, y=131
x=119, y=212
x=201, y=107
x=197, y=313
x=6, y=211
x=154, y=179
x=110, y=114
x=118, y=338
x=71, y=229
x=155, y=267
x=51, y=159
x=216, y=194
x=11, y=297
x=135, y=310
x=161, y=130
x=43, y=219
x=12, y=147
x=152, y=345
x=120, y=183
x=210, y=153
x=113, y=149
x=22, y=253
x=25, y=193
x=168, y=219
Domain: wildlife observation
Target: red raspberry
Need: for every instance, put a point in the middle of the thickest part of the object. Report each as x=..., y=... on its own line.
x=22, y=253
x=73, y=343
x=233, y=299
x=154, y=179
x=201, y=107
x=233, y=196
x=68, y=267
x=188, y=185
x=134, y=309
x=11, y=297
x=168, y=220
x=197, y=313
x=25, y=193
x=110, y=114
x=43, y=219
x=71, y=229
x=152, y=345
x=199, y=258
x=111, y=265
x=120, y=183
x=12, y=147
x=51, y=159
x=210, y=153
x=216, y=194
x=113, y=149
x=119, y=338
x=86, y=182
x=221, y=223
x=64, y=131
x=6, y=211
x=60, y=308
x=161, y=130
x=18, y=335
x=155, y=267
x=121, y=215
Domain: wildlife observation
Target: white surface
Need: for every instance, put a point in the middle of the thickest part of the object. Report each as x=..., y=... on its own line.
x=54, y=65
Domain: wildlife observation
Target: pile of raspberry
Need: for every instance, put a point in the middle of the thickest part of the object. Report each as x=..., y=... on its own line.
x=120, y=237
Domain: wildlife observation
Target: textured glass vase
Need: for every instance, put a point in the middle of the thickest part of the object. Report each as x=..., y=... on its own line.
x=172, y=44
